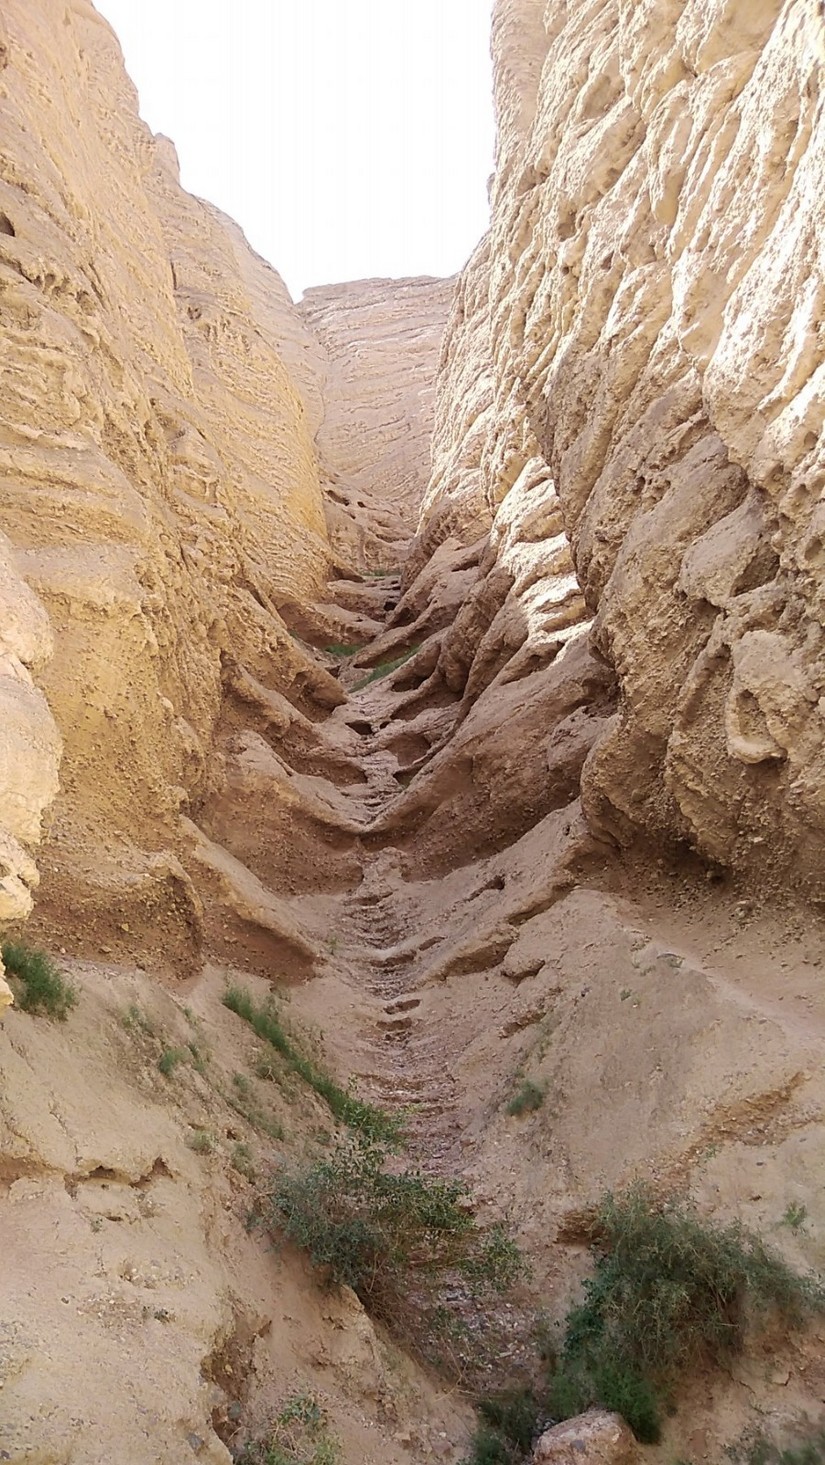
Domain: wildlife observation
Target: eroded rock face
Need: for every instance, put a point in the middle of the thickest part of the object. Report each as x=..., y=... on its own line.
x=382, y=340
x=645, y=309
x=158, y=479
x=30, y=744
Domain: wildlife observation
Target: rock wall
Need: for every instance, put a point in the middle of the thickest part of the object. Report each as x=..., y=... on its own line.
x=646, y=312
x=382, y=341
x=158, y=480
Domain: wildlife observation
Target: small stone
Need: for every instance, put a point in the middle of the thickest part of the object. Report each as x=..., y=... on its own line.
x=195, y=1443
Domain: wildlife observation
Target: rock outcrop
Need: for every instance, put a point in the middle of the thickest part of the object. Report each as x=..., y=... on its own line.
x=30, y=745
x=643, y=321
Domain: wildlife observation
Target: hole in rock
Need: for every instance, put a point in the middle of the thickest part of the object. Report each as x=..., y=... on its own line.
x=6, y=226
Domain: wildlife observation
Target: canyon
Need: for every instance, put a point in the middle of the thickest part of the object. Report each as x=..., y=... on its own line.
x=443, y=656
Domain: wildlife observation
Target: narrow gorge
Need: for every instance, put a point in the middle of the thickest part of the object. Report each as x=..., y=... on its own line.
x=446, y=659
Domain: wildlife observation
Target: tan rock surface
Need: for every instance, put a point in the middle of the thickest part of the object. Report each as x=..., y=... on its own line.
x=648, y=317
x=594, y=1438
x=382, y=340
x=30, y=745
x=147, y=1320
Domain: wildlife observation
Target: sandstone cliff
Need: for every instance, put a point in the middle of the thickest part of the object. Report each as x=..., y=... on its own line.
x=382, y=339
x=645, y=311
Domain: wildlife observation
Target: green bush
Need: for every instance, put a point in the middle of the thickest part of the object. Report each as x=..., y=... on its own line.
x=404, y=1242
x=491, y=1448
x=670, y=1292
x=201, y=1141
x=265, y=1021
x=514, y=1414
x=39, y=985
x=614, y=1385
x=527, y=1099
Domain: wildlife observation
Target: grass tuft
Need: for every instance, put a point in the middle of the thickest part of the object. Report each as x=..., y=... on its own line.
x=169, y=1060
x=299, y=1435
x=135, y=1020
x=266, y=1022
x=384, y=668
x=407, y=1244
x=527, y=1099
x=243, y=1162
x=201, y=1141
x=39, y=984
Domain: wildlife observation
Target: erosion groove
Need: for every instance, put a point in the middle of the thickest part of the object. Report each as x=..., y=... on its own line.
x=412, y=715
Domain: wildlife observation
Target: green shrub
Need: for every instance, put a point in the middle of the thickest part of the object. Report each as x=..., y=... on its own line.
x=169, y=1060
x=614, y=1385
x=135, y=1020
x=39, y=986
x=384, y=668
x=513, y=1414
x=670, y=1292
x=528, y=1098
x=199, y=1058
x=404, y=1242
x=490, y=1448
x=265, y=1021
x=202, y=1142
x=342, y=651
x=244, y=1101
x=298, y=1436
x=243, y=1162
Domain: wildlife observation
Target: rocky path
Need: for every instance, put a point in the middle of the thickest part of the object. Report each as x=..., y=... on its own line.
x=403, y=1067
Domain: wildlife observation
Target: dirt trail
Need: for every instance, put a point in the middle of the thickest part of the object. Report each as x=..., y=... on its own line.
x=403, y=1066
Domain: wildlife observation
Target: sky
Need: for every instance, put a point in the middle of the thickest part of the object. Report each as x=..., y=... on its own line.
x=349, y=138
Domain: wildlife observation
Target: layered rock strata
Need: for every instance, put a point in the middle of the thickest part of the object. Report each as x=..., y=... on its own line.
x=643, y=320
x=382, y=340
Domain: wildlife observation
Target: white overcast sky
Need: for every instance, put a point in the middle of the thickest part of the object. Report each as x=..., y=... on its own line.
x=349, y=138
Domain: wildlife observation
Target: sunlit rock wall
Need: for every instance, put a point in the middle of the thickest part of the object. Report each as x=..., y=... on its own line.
x=647, y=310
x=158, y=477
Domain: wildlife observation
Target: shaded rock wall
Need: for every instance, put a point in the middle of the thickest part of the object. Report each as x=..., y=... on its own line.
x=645, y=311
x=382, y=340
